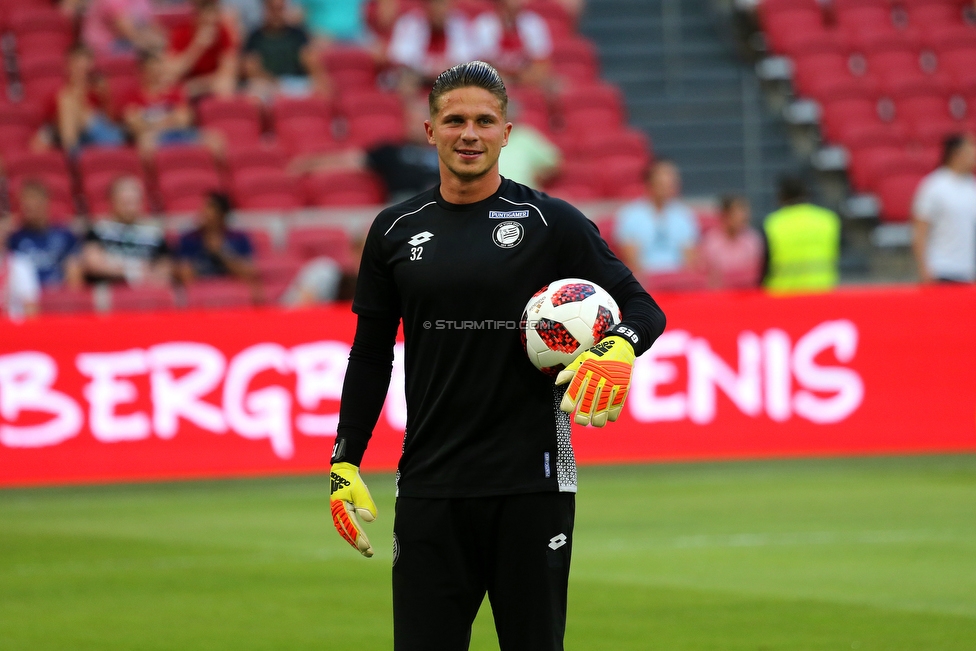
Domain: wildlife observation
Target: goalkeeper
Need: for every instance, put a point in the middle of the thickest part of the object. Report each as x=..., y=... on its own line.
x=487, y=479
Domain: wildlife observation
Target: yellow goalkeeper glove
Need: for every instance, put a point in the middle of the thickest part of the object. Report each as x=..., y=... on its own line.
x=600, y=381
x=350, y=501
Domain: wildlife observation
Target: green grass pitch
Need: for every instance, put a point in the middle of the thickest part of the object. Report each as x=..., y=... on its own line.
x=869, y=554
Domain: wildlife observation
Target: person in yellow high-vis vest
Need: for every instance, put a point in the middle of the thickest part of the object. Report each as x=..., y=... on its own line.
x=802, y=243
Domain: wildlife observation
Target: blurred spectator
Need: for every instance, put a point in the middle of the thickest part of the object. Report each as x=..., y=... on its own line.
x=732, y=253
x=427, y=42
x=202, y=54
x=83, y=106
x=121, y=26
x=515, y=40
x=945, y=216
x=280, y=60
x=335, y=20
x=53, y=250
x=407, y=168
x=802, y=243
x=213, y=250
x=657, y=233
x=529, y=157
x=20, y=290
x=124, y=248
x=323, y=280
x=158, y=113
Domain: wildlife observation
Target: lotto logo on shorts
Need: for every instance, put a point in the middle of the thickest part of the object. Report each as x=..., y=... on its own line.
x=557, y=541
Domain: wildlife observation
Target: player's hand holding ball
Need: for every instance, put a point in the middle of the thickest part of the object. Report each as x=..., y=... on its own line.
x=598, y=382
x=572, y=331
x=350, y=501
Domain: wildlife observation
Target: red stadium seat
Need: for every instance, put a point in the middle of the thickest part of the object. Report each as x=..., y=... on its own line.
x=367, y=131
x=932, y=131
x=184, y=158
x=913, y=110
x=40, y=30
x=957, y=63
x=781, y=27
x=185, y=190
x=896, y=193
x=114, y=161
x=623, y=144
x=813, y=70
x=307, y=243
x=277, y=271
x=561, y=23
x=842, y=114
x=61, y=300
x=18, y=123
x=42, y=77
x=947, y=37
x=343, y=189
x=266, y=156
x=350, y=67
x=27, y=164
x=872, y=39
x=297, y=121
x=931, y=14
x=873, y=134
x=584, y=120
x=866, y=164
x=216, y=294
x=528, y=98
x=796, y=43
x=619, y=175
x=848, y=16
x=575, y=59
x=263, y=189
x=146, y=298
x=595, y=96
x=238, y=118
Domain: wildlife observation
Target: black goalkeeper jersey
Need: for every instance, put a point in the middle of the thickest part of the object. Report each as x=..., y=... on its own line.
x=481, y=419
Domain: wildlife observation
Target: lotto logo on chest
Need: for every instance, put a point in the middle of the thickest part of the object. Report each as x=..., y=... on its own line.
x=508, y=234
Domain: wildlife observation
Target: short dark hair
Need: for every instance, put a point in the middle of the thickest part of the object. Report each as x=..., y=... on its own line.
x=951, y=145
x=34, y=184
x=792, y=189
x=221, y=202
x=726, y=202
x=473, y=73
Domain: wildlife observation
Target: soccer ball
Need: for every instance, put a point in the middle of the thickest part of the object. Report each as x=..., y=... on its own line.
x=563, y=319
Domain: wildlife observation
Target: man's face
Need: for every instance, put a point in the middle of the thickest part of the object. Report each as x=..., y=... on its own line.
x=437, y=11
x=736, y=218
x=966, y=155
x=664, y=184
x=274, y=12
x=152, y=69
x=33, y=209
x=469, y=132
x=127, y=201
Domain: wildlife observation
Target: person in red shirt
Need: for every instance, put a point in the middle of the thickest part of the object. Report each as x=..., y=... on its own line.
x=158, y=114
x=203, y=54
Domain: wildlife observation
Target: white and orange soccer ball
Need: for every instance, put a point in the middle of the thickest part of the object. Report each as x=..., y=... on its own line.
x=563, y=319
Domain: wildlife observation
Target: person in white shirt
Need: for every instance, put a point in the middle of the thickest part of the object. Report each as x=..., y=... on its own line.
x=20, y=288
x=944, y=213
x=516, y=41
x=426, y=42
x=657, y=233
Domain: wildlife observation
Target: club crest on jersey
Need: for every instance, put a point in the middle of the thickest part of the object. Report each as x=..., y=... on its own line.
x=507, y=234
x=510, y=214
x=420, y=238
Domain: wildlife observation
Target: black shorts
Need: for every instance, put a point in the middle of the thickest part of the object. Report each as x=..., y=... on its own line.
x=448, y=553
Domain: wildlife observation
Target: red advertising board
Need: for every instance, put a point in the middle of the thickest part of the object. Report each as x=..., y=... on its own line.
x=206, y=394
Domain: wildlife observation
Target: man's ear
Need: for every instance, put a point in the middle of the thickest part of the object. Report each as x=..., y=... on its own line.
x=508, y=132
x=429, y=128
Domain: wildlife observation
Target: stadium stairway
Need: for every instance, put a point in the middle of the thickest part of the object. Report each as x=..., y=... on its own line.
x=686, y=87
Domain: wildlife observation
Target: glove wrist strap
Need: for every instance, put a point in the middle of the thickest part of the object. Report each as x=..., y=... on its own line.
x=628, y=333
